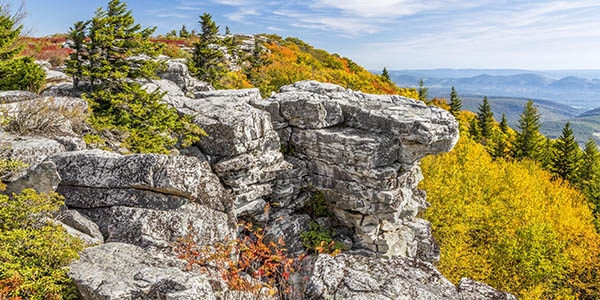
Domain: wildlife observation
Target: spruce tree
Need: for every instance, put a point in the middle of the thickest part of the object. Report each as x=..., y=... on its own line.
x=566, y=156
x=183, y=32
x=9, y=33
x=589, y=177
x=423, y=91
x=485, y=120
x=529, y=141
x=504, y=124
x=109, y=57
x=16, y=73
x=227, y=31
x=207, y=60
x=385, y=75
x=455, y=102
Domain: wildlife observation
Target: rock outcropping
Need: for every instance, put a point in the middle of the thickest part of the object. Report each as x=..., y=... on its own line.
x=360, y=151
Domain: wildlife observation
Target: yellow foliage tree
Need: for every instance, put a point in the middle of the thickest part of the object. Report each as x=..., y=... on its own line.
x=507, y=224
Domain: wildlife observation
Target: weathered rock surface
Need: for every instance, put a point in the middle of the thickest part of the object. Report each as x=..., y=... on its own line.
x=28, y=149
x=241, y=146
x=355, y=277
x=179, y=176
x=474, y=290
x=148, y=200
x=121, y=271
x=43, y=178
x=177, y=72
x=362, y=151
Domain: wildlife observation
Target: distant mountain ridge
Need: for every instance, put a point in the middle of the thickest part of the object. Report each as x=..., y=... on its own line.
x=576, y=88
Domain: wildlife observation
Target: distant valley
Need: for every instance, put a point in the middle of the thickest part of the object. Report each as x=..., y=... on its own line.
x=560, y=95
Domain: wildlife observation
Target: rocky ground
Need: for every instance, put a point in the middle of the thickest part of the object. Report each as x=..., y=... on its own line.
x=360, y=151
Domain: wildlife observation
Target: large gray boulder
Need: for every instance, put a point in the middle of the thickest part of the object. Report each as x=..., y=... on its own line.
x=121, y=271
x=361, y=278
x=179, y=176
x=178, y=73
x=148, y=200
x=30, y=150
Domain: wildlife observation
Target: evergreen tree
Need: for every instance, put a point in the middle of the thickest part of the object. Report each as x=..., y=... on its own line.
x=385, y=75
x=589, y=177
x=504, y=124
x=16, y=73
x=500, y=147
x=529, y=141
x=206, y=60
x=455, y=102
x=171, y=34
x=109, y=56
x=566, y=156
x=9, y=33
x=183, y=32
x=485, y=120
x=75, y=67
x=423, y=91
x=227, y=31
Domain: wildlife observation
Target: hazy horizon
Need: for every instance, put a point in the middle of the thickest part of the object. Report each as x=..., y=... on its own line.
x=397, y=34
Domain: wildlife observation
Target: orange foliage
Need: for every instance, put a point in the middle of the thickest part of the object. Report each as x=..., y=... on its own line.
x=267, y=263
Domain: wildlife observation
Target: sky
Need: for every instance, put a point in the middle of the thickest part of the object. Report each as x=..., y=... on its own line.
x=396, y=34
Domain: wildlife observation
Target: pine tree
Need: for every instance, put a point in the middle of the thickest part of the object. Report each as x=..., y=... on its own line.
x=566, y=156
x=183, y=32
x=528, y=143
x=16, y=73
x=485, y=120
x=9, y=33
x=423, y=91
x=75, y=67
x=385, y=75
x=108, y=57
x=589, y=177
x=504, y=124
x=206, y=60
x=455, y=102
x=227, y=31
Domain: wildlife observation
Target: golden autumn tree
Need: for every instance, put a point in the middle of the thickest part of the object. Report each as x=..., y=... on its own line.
x=508, y=224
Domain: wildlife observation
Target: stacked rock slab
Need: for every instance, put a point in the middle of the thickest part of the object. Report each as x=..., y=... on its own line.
x=242, y=146
x=148, y=200
x=363, y=152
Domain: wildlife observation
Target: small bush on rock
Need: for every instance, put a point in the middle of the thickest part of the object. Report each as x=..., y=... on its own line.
x=319, y=239
x=21, y=74
x=34, y=251
x=247, y=264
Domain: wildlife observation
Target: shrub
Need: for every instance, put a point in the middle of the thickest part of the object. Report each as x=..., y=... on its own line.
x=46, y=116
x=317, y=206
x=145, y=124
x=246, y=264
x=319, y=239
x=33, y=250
x=21, y=74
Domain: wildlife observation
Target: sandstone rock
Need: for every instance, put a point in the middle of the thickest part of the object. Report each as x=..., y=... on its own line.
x=289, y=229
x=43, y=178
x=121, y=271
x=28, y=149
x=356, y=277
x=362, y=152
x=75, y=220
x=87, y=239
x=473, y=290
x=63, y=89
x=159, y=229
x=180, y=176
x=177, y=72
x=16, y=96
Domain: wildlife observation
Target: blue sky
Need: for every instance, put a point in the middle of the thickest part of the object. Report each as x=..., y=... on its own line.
x=397, y=34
